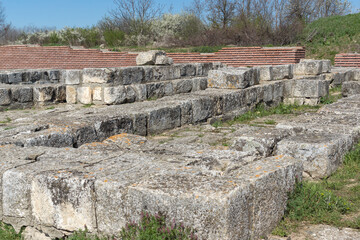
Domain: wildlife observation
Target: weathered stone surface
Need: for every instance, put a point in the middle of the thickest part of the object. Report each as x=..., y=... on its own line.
x=84, y=95
x=98, y=75
x=310, y=67
x=232, y=78
x=350, y=88
x=131, y=75
x=24, y=94
x=265, y=73
x=73, y=77
x=149, y=57
x=163, y=60
x=5, y=97
x=71, y=94
x=44, y=93
x=14, y=78
x=119, y=95
x=282, y=72
x=322, y=153
x=97, y=94
x=31, y=233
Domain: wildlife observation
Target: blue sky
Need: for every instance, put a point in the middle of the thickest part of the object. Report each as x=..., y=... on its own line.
x=81, y=13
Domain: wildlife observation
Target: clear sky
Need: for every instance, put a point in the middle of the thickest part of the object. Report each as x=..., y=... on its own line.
x=80, y=13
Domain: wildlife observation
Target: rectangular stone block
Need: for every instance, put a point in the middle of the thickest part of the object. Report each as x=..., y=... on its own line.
x=73, y=77
x=119, y=95
x=60, y=93
x=163, y=119
x=310, y=88
x=54, y=75
x=97, y=94
x=98, y=75
x=232, y=78
x=321, y=153
x=5, y=96
x=22, y=95
x=182, y=86
x=44, y=93
x=309, y=67
x=188, y=70
x=199, y=84
x=350, y=88
x=84, y=95
x=15, y=78
x=131, y=75
x=71, y=94
x=4, y=78
x=282, y=72
x=265, y=73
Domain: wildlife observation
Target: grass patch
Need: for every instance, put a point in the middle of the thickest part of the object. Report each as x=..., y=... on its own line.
x=7, y=232
x=270, y=122
x=50, y=108
x=8, y=120
x=328, y=201
x=155, y=227
x=88, y=105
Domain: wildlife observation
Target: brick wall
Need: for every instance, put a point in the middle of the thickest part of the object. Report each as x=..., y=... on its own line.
x=347, y=60
x=63, y=57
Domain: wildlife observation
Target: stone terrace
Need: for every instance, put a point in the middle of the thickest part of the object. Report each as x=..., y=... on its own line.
x=69, y=166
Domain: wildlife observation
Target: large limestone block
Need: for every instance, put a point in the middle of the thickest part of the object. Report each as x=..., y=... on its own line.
x=131, y=75
x=15, y=78
x=71, y=94
x=119, y=95
x=31, y=233
x=165, y=118
x=22, y=95
x=44, y=94
x=243, y=204
x=232, y=78
x=5, y=96
x=310, y=88
x=73, y=77
x=265, y=73
x=309, y=67
x=98, y=75
x=321, y=153
x=163, y=60
x=149, y=57
x=350, y=88
x=282, y=72
x=64, y=200
x=84, y=95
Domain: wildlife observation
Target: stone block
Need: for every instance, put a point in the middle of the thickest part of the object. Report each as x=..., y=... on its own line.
x=309, y=67
x=119, y=95
x=326, y=66
x=73, y=77
x=350, y=88
x=310, y=88
x=265, y=73
x=60, y=93
x=149, y=57
x=84, y=95
x=31, y=233
x=97, y=94
x=44, y=93
x=231, y=78
x=4, y=78
x=64, y=201
x=15, y=78
x=22, y=95
x=98, y=75
x=182, y=86
x=321, y=153
x=163, y=60
x=199, y=84
x=282, y=72
x=71, y=94
x=163, y=119
x=203, y=108
x=132, y=75
x=157, y=90
x=5, y=96
x=188, y=70
x=54, y=75
x=356, y=75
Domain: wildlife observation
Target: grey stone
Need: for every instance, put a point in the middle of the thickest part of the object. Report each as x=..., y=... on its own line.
x=182, y=86
x=350, y=88
x=188, y=70
x=4, y=78
x=98, y=75
x=31, y=233
x=73, y=77
x=282, y=72
x=310, y=88
x=54, y=75
x=265, y=73
x=163, y=118
x=232, y=78
x=5, y=97
x=22, y=95
x=310, y=67
x=14, y=78
x=44, y=93
x=84, y=95
x=132, y=75
x=149, y=57
x=163, y=60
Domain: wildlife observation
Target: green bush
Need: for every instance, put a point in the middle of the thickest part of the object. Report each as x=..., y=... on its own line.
x=113, y=38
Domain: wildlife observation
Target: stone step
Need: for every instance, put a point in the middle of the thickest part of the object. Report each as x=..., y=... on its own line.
x=62, y=190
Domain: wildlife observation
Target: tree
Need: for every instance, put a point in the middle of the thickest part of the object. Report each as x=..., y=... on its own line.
x=4, y=27
x=134, y=16
x=220, y=12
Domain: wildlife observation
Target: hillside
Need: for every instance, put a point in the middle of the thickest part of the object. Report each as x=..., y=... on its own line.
x=326, y=37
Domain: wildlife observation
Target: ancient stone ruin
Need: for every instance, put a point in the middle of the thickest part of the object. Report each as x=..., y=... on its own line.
x=72, y=166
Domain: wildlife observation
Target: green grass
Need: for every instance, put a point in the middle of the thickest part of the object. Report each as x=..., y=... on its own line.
x=333, y=96
x=263, y=111
x=328, y=201
x=88, y=105
x=7, y=232
x=8, y=120
x=326, y=37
